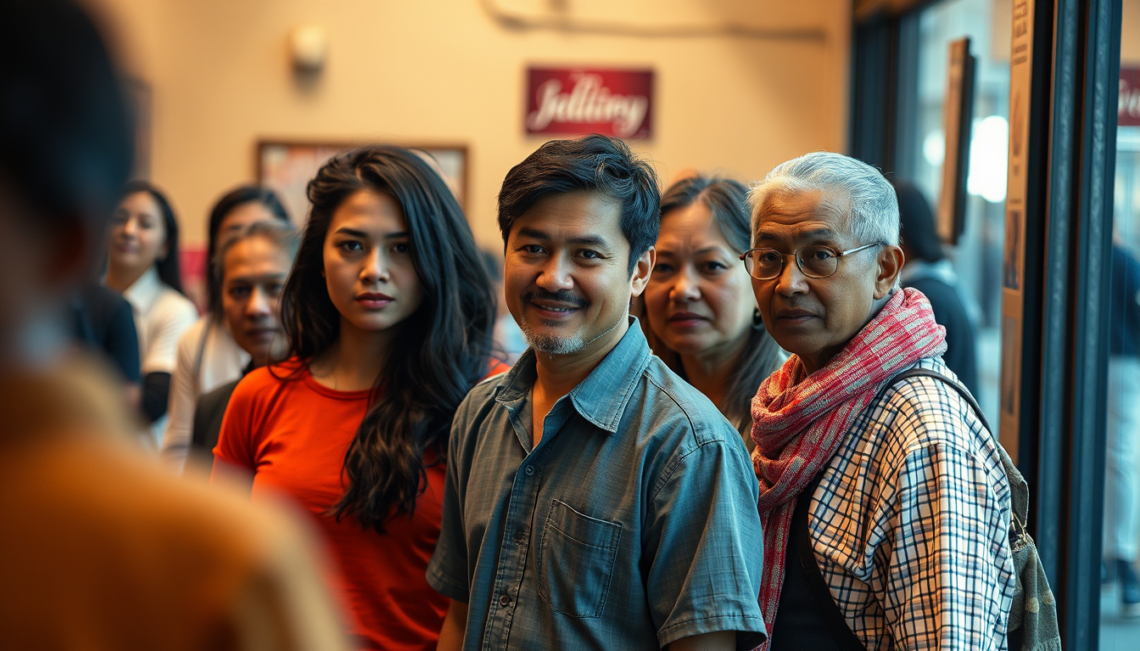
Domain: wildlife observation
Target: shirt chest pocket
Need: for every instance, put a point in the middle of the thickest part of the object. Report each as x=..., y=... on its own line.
x=576, y=558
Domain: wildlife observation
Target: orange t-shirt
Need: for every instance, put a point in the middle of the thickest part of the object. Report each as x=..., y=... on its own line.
x=292, y=435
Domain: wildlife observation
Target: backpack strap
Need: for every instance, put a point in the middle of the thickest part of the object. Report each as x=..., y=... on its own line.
x=836, y=622
x=918, y=371
x=1018, y=488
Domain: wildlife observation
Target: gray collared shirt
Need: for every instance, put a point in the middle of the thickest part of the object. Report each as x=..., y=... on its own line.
x=632, y=524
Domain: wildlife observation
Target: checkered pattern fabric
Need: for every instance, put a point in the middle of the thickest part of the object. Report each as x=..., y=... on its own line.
x=910, y=523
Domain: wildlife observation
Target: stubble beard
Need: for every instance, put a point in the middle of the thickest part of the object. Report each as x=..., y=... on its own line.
x=553, y=344
x=559, y=345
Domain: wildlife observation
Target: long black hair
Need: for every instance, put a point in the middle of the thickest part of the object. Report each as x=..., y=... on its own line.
x=437, y=354
x=235, y=198
x=169, y=269
x=725, y=199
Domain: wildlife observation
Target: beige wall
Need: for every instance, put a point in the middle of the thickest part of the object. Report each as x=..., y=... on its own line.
x=1130, y=33
x=447, y=71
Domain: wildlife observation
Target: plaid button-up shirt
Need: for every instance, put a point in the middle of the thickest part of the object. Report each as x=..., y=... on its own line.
x=910, y=523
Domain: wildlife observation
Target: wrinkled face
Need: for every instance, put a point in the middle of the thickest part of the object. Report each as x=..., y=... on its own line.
x=237, y=219
x=566, y=274
x=816, y=317
x=253, y=275
x=699, y=299
x=138, y=234
x=368, y=263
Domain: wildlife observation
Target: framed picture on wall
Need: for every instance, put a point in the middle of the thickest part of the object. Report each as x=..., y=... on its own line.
x=957, y=125
x=288, y=166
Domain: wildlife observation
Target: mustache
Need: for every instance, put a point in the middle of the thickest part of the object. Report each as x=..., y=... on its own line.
x=796, y=305
x=560, y=297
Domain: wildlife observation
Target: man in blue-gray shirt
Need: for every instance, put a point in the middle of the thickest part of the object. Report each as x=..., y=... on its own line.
x=594, y=500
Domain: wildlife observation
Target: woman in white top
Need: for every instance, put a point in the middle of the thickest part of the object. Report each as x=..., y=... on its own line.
x=142, y=265
x=208, y=357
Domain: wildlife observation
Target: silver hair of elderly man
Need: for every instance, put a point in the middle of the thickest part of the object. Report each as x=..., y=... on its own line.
x=874, y=206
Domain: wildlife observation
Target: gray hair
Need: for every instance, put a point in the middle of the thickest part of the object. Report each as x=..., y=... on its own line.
x=281, y=234
x=874, y=206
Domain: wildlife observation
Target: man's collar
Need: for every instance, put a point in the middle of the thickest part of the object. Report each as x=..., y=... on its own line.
x=602, y=396
x=144, y=292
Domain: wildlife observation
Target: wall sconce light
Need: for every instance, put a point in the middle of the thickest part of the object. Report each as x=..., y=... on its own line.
x=309, y=47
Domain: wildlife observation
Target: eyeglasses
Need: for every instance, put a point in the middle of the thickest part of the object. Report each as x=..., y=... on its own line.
x=816, y=261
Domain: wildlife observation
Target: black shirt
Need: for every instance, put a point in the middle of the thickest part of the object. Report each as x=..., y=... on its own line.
x=102, y=320
x=950, y=313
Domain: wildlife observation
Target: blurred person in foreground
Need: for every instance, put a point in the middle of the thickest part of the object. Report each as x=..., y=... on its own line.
x=594, y=500
x=102, y=549
x=208, y=355
x=251, y=268
x=1122, y=437
x=701, y=313
x=909, y=521
x=928, y=270
x=142, y=265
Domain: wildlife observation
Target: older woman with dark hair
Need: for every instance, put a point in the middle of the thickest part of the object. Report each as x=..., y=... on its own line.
x=207, y=356
x=701, y=315
x=250, y=269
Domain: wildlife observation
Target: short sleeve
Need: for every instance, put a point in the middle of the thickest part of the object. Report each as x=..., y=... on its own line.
x=703, y=535
x=235, y=440
x=447, y=572
x=171, y=317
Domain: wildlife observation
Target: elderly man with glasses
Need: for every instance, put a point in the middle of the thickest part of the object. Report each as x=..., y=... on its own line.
x=885, y=505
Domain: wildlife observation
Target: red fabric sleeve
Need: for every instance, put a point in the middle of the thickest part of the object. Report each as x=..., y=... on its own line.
x=235, y=439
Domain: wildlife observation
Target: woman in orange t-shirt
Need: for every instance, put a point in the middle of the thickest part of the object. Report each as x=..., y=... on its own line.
x=389, y=316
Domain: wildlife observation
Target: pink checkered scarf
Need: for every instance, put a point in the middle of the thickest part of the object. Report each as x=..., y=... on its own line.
x=799, y=420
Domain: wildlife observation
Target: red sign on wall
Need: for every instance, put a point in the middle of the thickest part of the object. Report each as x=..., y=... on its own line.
x=1128, y=110
x=596, y=100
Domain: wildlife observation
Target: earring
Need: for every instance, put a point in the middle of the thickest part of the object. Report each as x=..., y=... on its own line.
x=757, y=318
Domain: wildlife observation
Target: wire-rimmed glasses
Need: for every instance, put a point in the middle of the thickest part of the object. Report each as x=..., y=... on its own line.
x=815, y=261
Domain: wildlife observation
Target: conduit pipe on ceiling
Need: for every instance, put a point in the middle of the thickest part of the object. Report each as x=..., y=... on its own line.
x=522, y=21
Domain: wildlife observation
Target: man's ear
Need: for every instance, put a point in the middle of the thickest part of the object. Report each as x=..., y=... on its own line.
x=890, y=262
x=642, y=270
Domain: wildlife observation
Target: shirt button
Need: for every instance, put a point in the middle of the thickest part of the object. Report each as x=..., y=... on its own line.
x=529, y=470
x=520, y=536
x=505, y=600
